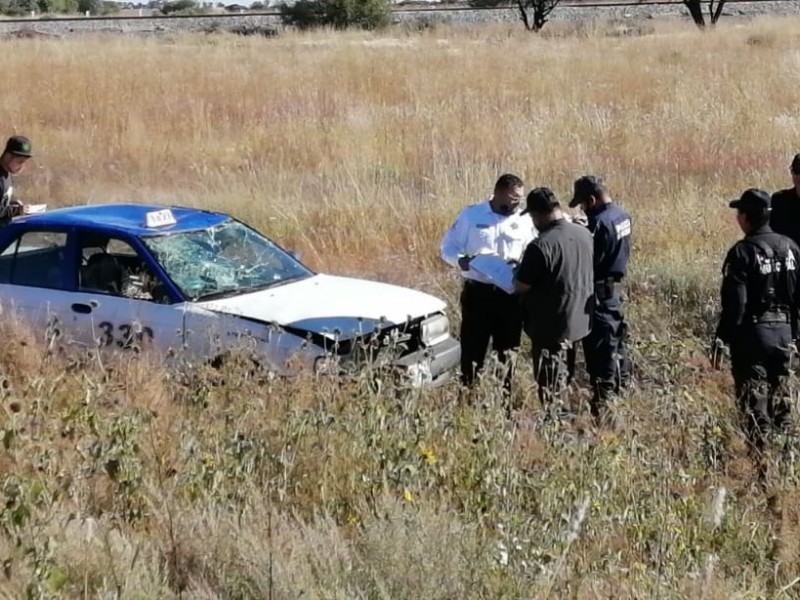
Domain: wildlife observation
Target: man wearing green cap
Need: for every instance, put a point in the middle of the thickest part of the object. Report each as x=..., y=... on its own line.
x=16, y=153
x=760, y=297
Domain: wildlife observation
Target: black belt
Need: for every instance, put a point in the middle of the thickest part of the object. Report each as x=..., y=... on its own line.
x=607, y=288
x=771, y=316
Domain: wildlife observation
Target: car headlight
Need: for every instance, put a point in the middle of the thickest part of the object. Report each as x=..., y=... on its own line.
x=435, y=329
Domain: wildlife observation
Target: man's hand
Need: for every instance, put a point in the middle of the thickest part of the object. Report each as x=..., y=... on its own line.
x=17, y=208
x=521, y=288
x=580, y=219
x=463, y=262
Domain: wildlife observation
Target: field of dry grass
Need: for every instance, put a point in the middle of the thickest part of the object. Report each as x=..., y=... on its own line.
x=128, y=481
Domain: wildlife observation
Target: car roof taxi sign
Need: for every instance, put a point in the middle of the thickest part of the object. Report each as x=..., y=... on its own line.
x=159, y=218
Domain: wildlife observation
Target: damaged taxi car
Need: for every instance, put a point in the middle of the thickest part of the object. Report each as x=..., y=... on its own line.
x=200, y=283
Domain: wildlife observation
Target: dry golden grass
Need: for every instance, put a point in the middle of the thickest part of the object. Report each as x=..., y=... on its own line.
x=360, y=148
x=128, y=481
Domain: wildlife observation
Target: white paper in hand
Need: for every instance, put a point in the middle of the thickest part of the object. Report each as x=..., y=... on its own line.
x=495, y=269
x=30, y=209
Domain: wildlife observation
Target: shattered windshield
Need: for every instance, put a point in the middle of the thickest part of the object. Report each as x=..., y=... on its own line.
x=224, y=260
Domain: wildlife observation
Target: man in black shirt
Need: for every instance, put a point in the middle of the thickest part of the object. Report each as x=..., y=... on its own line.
x=760, y=298
x=785, y=215
x=556, y=281
x=15, y=155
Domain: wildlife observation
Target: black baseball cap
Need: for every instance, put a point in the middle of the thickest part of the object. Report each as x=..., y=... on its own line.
x=540, y=200
x=588, y=185
x=19, y=145
x=752, y=200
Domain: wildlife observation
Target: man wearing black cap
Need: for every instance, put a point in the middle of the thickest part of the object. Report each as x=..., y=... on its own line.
x=555, y=279
x=759, y=317
x=604, y=348
x=785, y=215
x=15, y=155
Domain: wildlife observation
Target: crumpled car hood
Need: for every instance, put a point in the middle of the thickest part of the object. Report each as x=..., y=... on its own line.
x=325, y=304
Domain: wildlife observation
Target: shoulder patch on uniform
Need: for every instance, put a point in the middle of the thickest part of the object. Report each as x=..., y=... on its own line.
x=623, y=228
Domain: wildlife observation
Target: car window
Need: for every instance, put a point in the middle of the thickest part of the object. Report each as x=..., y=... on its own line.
x=11, y=248
x=36, y=259
x=223, y=260
x=120, y=247
x=112, y=266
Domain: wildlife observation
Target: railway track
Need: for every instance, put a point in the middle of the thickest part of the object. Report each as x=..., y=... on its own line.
x=401, y=9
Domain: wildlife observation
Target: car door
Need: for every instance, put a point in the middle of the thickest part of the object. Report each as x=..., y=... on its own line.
x=35, y=282
x=127, y=323
x=116, y=301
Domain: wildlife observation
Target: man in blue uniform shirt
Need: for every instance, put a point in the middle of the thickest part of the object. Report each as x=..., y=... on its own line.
x=604, y=348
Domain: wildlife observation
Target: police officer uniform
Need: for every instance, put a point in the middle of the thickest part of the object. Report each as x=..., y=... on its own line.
x=785, y=214
x=604, y=348
x=558, y=306
x=759, y=319
x=487, y=311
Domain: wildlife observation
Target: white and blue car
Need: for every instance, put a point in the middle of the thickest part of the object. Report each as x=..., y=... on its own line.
x=198, y=283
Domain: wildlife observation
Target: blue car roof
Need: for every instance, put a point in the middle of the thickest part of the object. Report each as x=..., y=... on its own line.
x=123, y=218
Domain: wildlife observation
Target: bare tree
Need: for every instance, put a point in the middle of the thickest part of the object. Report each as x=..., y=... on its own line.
x=533, y=13
x=696, y=11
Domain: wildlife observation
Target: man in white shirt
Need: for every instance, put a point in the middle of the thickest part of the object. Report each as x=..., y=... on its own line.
x=494, y=226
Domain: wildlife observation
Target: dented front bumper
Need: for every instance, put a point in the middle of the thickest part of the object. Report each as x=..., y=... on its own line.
x=431, y=366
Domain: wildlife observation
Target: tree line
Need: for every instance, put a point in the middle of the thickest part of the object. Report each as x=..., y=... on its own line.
x=373, y=14
x=339, y=14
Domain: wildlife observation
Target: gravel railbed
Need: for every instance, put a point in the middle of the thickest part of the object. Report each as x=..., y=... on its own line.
x=267, y=25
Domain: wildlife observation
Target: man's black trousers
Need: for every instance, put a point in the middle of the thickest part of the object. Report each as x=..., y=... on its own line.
x=487, y=312
x=605, y=350
x=554, y=369
x=760, y=359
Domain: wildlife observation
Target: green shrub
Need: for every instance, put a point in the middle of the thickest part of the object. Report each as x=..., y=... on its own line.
x=339, y=14
x=178, y=6
x=56, y=6
x=15, y=8
x=94, y=7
